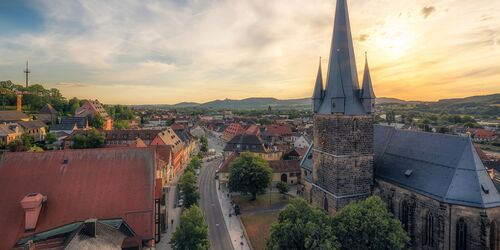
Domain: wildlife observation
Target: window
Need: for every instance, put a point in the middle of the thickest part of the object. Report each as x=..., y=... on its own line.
x=325, y=203
x=405, y=215
x=429, y=230
x=493, y=236
x=461, y=235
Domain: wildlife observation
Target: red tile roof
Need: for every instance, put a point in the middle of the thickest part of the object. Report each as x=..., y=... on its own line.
x=484, y=134
x=279, y=130
x=79, y=184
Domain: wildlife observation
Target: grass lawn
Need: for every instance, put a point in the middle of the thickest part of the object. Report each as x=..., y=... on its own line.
x=257, y=226
x=262, y=202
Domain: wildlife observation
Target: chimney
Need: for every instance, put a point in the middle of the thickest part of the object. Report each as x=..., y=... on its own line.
x=32, y=205
x=19, y=102
x=90, y=227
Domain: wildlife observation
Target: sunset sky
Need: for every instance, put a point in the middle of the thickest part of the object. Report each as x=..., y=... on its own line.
x=145, y=52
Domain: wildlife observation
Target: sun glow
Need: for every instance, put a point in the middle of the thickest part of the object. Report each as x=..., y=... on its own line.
x=396, y=39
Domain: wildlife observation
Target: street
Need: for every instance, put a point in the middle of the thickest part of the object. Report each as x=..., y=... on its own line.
x=209, y=204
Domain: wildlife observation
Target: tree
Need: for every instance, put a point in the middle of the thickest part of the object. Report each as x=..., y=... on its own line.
x=192, y=232
x=35, y=149
x=301, y=226
x=189, y=187
x=195, y=162
x=50, y=138
x=283, y=187
x=97, y=121
x=93, y=139
x=22, y=144
x=121, y=124
x=249, y=174
x=204, y=144
x=368, y=225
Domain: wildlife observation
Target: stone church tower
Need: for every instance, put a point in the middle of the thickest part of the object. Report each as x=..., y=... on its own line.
x=343, y=125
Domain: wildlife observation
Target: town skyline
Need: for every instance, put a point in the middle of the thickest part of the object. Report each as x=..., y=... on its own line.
x=173, y=52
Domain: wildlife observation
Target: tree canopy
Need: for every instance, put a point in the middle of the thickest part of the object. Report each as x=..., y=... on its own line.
x=192, y=232
x=301, y=226
x=368, y=225
x=360, y=225
x=189, y=187
x=93, y=139
x=249, y=174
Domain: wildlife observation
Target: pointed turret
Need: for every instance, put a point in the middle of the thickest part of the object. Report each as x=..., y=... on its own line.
x=367, y=94
x=342, y=73
x=318, y=90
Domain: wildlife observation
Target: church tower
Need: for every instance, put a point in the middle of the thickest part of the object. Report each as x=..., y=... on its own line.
x=343, y=125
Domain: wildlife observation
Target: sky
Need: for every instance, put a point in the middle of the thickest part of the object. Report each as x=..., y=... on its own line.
x=164, y=52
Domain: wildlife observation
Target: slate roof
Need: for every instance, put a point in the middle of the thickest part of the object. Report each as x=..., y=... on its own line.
x=81, y=122
x=444, y=167
x=31, y=124
x=342, y=76
x=79, y=184
x=246, y=142
x=65, y=127
x=12, y=116
x=48, y=109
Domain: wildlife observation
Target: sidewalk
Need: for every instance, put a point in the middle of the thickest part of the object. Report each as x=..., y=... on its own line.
x=233, y=223
x=172, y=213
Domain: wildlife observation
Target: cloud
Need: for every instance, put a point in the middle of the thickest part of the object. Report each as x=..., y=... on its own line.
x=363, y=37
x=427, y=11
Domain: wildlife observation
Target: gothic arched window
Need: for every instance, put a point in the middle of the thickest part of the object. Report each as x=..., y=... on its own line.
x=461, y=234
x=325, y=203
x=405, y=215
x=429, y=230
x=493, y=236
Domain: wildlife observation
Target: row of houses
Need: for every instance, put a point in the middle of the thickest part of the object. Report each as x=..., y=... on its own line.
x=13, y=124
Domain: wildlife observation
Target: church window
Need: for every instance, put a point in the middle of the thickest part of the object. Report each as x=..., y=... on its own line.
x=493, y=236
x=405, y=215
x=325, y=203
x=461, y=235
x=429, y=230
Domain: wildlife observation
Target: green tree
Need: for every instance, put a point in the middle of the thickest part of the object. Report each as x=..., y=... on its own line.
x=204, y=144
x=192, y=232
x=249, y=174
x=283, y=187
x=368, y=225
x=121, y=124
x=50, y=138
x=97, y=121
x=35, y=149
x=301, y=226
x=22, y=144
x=189, y=187
x=93, y=139
x=195, y=162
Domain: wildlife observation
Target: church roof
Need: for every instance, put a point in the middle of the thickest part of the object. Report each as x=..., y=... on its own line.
x=444, y=167
x=342, y=79
x=367, y=90
x=318, y=87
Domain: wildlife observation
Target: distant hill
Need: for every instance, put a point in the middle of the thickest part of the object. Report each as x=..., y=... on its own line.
x=488, y=104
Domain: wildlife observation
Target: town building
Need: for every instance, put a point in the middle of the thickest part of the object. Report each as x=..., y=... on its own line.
x=231, y=131
x=48, y=114
x=34, y=128
x=92, y=108
x=10, y=132
x=288, y=171
x=434, y=183
x=253, y=144
x=10, y=116
x=51, y=198
x=169, y=137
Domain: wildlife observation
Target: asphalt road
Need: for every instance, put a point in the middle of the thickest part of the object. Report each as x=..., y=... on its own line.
x=209, y=203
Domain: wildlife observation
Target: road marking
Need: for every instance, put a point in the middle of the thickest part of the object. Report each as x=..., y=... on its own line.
x=217, y=224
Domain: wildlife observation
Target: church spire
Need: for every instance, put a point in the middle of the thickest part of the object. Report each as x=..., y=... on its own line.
x=367, y=94
x=318, y=89
x=342, y=73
